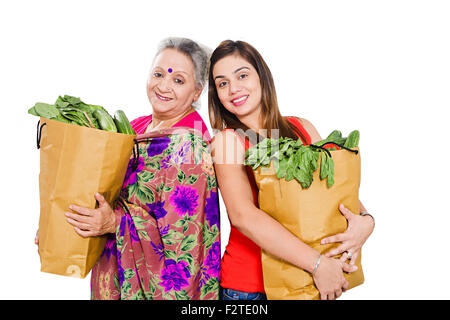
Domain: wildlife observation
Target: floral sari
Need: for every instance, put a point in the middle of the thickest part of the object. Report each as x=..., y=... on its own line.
x=167, y=241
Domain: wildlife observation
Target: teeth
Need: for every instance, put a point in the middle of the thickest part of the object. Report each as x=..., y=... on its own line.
x=240, y=99
x=163, y=98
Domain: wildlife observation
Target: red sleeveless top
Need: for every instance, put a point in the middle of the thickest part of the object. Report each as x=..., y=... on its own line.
x=241, y=267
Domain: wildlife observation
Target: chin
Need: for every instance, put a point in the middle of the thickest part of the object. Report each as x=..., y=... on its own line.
x=161, y=107
x=242, y=111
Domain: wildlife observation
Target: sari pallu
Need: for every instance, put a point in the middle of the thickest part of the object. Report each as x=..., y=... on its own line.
x=167, y=241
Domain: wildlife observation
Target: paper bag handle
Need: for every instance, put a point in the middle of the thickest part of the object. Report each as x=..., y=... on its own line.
x=39, y=133
x=336, y=144
x=135, y=161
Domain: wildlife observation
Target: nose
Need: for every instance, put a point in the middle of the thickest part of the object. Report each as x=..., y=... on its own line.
x=165, y=85
x=234, y=88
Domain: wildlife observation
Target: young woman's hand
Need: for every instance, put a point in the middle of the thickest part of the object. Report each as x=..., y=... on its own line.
x=358, y=230
x=329, y=278
x=93, y=222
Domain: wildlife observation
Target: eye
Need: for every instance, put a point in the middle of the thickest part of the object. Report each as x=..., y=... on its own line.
x=157, y=74
x=221, y=84
x=179, y=81
x=243, y=76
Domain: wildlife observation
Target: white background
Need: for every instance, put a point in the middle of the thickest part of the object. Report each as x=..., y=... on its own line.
x=381, y=67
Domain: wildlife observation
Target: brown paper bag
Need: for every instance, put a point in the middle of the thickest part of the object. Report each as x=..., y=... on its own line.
x=311, y=214
x=75, y=163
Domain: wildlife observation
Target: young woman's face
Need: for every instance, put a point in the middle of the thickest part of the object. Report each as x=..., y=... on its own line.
x=171, y=87
x=238, y=85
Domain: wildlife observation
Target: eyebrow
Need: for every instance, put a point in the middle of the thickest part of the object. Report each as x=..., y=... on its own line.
x=235, y=71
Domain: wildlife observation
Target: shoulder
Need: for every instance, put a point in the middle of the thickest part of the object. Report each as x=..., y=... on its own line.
x=227, y=137
x=225, y=134
x=312, y=131
x=195, y=121
x=141, y=119
x=140, y=124
x=227, y=146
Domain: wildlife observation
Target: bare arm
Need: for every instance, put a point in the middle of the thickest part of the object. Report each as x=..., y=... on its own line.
x=245, y=216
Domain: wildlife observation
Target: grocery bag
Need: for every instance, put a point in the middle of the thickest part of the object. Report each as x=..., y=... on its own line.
x=311, y=214
x=75, y=163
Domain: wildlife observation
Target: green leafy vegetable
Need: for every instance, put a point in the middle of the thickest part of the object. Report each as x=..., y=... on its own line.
x=293, y=160
x=352, y=140
x=46, y=110
x=72, y=110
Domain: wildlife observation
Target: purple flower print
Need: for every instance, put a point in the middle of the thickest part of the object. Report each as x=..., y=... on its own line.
x=126, y=219
x=212, y=210
x=212, y=260
x=157, y=209
x=121, y=273
x=176, y=157
x=164, y=230
x=175, y=275
x=184, y=199
x=159, y=249
x=157, y=146
x=110, y=246
x=165, y=163
x=131, y=175
x=203, y=276
x=123, y=223
x=181, y=156
x=132, y=228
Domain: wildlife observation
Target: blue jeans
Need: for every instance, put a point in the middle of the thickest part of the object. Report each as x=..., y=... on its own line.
x=231, y=294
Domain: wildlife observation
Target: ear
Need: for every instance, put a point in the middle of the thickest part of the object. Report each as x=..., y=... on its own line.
x=197, y=93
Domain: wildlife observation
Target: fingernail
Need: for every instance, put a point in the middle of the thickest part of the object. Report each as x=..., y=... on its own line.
x=71, y=207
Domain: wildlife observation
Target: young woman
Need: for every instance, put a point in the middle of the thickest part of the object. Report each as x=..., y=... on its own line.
x=242, y=98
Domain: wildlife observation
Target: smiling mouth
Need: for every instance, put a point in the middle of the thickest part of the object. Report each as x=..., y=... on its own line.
x=239, y=101
x=162, y=98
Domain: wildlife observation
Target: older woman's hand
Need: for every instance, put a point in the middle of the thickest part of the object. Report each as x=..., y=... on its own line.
x=93, y=222
x=358, y=230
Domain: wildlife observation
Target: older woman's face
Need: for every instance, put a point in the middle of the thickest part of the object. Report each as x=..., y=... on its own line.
x=171, y=87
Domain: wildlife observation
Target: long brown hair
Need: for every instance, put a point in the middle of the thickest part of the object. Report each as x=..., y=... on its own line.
x=221, y=118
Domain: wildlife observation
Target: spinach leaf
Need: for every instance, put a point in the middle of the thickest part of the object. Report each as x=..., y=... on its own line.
x=46, y=110
x=294, y=160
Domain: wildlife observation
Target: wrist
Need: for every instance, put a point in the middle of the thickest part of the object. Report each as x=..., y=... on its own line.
x=113, y=222
x=365, y=214
x=316, y=264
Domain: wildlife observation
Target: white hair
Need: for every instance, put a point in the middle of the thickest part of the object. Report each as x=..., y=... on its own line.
x=198, y=53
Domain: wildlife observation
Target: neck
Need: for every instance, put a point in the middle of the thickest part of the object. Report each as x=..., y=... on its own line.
x=253, y=121
x=164, y=122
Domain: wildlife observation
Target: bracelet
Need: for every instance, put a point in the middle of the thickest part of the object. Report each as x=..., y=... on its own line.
x=317, y=265
x=365, y=213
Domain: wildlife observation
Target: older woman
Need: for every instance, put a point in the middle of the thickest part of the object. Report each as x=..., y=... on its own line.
x=163, y=234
